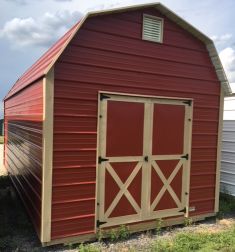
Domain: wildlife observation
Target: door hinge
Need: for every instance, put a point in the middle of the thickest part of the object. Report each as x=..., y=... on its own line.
x=183, y=210
x=98, y=223
x=102, y=159
x=189, y=102
x=185, y=156
x=102, y=97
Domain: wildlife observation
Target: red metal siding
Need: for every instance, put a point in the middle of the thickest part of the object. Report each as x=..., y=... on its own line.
x=109, y=54
x=122, y=129
x=168, y=124
x=23, y=147
x=125, y=128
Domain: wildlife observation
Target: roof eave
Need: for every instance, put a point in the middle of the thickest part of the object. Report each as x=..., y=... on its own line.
x=172, y=16
x=178, y=20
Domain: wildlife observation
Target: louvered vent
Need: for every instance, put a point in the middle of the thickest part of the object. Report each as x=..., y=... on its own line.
x=152, y=28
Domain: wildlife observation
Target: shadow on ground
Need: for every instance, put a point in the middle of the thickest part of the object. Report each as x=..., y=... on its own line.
x=16, y=231
x=18, y=234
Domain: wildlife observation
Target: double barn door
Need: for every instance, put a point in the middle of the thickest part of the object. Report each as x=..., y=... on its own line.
x=144, y=150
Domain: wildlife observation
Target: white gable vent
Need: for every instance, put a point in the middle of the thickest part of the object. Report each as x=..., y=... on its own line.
x=152, y=28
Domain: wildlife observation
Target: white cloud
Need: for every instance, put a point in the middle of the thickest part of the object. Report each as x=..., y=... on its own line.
x=18, y=1
x=43, y=31
x=107, y=5
x=227, y=57
x=221, y=39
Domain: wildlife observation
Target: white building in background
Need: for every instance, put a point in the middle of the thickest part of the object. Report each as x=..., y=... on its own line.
x=228, y=148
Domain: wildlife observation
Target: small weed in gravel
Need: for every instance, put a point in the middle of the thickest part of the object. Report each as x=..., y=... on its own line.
x=159, y=223
x=188, y=222
x=120, y=233
x=113, y=235
x=123, y=232
x=100, y=235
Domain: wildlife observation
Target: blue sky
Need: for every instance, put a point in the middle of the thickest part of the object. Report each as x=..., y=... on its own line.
x=29, y=27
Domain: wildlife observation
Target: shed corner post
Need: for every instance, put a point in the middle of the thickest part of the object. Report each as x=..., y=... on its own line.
x=47, y=155
x=219, y=145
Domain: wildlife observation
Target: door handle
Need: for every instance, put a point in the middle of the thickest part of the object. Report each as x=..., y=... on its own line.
x=146, y=158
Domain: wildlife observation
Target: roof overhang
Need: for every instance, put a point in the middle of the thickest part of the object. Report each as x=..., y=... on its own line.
x=178, y=20
x=172, y=16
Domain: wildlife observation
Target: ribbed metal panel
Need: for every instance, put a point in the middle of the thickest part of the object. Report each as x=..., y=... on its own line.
x=228, y=157
x=23, y=147
x=108, y=53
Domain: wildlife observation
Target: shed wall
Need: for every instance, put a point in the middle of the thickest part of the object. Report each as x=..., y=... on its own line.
x=228, y=158
x=23, y=146
x=108, y=54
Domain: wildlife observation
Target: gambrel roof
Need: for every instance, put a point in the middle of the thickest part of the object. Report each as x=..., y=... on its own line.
x=46, y=62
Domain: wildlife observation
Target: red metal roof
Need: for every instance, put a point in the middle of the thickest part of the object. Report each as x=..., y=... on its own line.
x=38, y=69
x=41, y=67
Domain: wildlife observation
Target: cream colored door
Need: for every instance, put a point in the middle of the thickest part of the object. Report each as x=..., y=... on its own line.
x=129, y=155
x=169, y=160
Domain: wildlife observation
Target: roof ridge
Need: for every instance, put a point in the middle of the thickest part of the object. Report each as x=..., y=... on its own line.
x=57, y=48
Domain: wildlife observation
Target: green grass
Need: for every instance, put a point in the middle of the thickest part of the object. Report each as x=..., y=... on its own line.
x=223, y=241
x=1, y=139
x=83, y=247
x=88, y=248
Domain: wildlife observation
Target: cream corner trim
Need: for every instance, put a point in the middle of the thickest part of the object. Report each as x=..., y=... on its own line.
x=47, y=155
x=219, y=145
x=219, y=68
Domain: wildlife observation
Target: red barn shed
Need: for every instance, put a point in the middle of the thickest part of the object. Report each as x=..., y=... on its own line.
x=118, y=123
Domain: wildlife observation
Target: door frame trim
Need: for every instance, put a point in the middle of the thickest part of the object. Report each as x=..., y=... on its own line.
x=188, y=149
x=134, y=98
x=143, y=96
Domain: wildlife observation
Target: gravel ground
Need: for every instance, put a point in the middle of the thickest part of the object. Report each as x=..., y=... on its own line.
x=143, y=241
x=137, y=242
x=25, y=239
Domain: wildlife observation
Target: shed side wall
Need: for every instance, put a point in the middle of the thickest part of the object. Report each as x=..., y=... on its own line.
x=23, y=147
x=109, y=54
